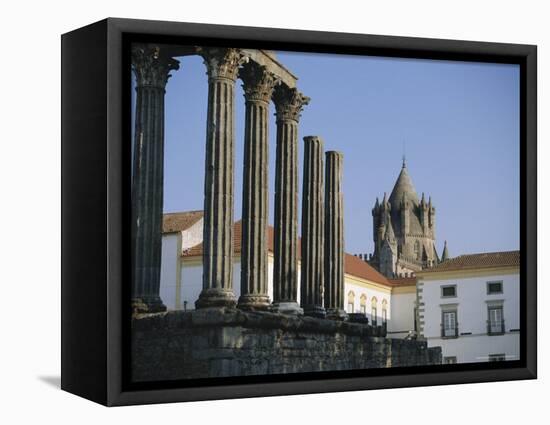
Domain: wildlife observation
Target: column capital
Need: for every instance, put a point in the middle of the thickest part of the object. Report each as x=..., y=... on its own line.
x=151, y=66
x=258, y=83
x=222, y=63
x=289, y=103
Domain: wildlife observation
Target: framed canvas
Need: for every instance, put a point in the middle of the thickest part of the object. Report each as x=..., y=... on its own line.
x=251, y=212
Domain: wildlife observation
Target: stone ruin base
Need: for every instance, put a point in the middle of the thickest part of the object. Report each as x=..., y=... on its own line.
x=218, y=342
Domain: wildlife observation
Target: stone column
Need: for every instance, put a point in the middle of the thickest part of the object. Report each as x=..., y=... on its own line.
x=222, y=68
x=312, y=270
x=288, y=105
x=258, y=85
x=152, y=69
x=334, y=237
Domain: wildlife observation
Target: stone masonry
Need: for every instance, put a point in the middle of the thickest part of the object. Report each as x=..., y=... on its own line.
x=217, y=342
x=257, y=338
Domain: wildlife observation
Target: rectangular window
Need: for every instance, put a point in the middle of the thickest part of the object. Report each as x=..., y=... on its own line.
x=364, y=309
x=495, y=323
x=373, y=317
x=384, y=316
x=449, y=360
x=350, y=307
x=449, y=325
x=448, y=291
x=497, y=357
x=494, y=288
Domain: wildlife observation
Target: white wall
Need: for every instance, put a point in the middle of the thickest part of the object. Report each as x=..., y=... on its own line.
x=402, y=314
x=170, y=260
x=399, y=307
x=468, y=349
x=191, y=282
x=359, y=289
x=472, y=314
x=193, y=235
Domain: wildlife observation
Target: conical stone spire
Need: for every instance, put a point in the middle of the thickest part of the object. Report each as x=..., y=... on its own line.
x=445, y=256
x=403, y=189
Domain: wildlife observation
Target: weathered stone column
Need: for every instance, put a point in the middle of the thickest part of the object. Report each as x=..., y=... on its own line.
x=222, y=67
x=258, y=85
x=152, y=69
x=334, y=237
x=288, y=104
x=312, y=265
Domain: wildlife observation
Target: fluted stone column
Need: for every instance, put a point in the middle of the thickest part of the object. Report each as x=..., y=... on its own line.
x=258, y=85
x=288, y=104
x=334, y=237
x=152, y=69
x=312, y=265
x=222, y=68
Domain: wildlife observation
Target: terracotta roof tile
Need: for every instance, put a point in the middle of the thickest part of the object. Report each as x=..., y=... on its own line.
x=356, y=267
x=178, y=222
x=478, y=261
x=237, y=237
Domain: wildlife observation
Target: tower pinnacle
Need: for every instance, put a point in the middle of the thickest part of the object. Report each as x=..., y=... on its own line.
x=445, y=256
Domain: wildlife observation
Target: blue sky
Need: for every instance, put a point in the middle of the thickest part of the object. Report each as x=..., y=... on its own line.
x=457, y=122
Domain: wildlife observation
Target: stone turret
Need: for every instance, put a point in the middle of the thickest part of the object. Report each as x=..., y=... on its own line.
x=445, y=256
x=404, y=230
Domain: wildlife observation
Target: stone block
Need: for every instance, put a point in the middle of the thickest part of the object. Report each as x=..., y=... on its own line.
x=215, y=342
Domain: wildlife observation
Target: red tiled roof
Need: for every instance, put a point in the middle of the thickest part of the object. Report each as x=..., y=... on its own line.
x=178, y=222
x=352, y=265
x=237, y=237
x=356, y=267
x=478, y=261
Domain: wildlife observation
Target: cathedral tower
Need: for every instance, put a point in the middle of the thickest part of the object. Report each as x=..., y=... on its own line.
x=403, y=230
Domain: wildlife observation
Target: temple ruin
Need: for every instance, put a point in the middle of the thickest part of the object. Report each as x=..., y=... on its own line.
x=226, y=336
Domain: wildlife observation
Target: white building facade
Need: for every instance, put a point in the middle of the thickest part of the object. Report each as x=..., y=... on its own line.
x=366, y=291
x=469, y=306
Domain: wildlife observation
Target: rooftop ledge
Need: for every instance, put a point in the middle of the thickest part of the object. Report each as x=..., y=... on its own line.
x=232, y=317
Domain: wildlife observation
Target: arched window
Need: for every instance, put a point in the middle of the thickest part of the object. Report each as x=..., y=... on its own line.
x=384, y=312
x=351, y=301
x=374, y=311
x=363, y=303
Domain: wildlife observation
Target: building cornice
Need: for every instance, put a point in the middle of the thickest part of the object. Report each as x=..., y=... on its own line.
x=428, y=275
x=367, y=283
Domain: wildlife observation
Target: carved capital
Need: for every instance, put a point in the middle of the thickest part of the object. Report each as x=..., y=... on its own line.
x=222, y=62
x=258, y=83
x=151, y=66
x=289, y=103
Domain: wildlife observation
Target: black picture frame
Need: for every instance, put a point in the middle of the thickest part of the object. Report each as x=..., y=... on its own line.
x=95, y=208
